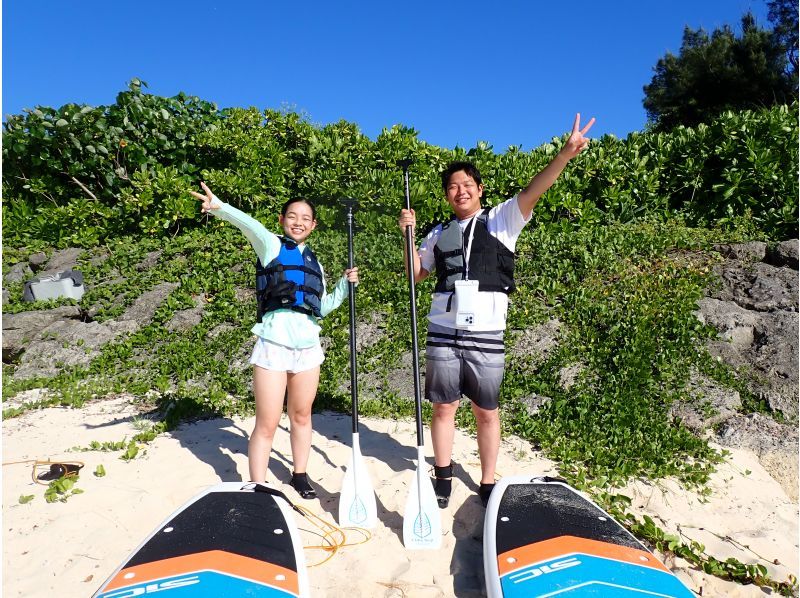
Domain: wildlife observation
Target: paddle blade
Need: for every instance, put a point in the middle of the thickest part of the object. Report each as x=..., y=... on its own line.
x=357, y=506
x=422, y=525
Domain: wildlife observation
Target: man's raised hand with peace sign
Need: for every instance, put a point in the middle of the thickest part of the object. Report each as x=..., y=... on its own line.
x=576, y=143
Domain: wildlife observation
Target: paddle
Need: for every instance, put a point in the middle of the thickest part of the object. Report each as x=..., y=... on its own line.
x=422, y=527
x=357, y=498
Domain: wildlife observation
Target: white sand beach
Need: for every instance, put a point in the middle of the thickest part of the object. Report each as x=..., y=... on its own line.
x=68, y=549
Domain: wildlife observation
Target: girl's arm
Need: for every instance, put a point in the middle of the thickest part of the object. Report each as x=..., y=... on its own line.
x=331, y=301
x=263, y=241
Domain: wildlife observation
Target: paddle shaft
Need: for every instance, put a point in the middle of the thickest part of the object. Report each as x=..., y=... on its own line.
x=412, y=295
x=352, y=299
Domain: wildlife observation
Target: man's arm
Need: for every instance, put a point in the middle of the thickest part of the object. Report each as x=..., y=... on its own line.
x=409, y=218
x=576, y=143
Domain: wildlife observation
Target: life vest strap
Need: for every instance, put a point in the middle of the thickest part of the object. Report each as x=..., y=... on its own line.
x=283, y=268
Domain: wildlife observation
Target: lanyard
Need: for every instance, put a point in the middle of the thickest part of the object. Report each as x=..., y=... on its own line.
x=471, y=227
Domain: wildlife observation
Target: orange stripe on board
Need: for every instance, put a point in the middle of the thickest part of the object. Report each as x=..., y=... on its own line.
x=213, y=560
x=566, y=545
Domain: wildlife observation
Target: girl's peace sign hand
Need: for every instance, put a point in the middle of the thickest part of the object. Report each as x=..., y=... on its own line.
x=207, y=199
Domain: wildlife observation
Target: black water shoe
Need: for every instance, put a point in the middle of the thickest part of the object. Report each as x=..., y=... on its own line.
x=443, y=484
x=304, y=488
x=485, y=491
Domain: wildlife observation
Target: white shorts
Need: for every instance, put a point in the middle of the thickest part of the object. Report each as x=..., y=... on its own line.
x=278, y=358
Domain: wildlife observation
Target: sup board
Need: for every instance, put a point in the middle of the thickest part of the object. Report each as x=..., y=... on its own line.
x=229, y=540
x=544, y=538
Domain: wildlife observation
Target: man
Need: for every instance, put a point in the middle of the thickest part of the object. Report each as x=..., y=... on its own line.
x=473, y=256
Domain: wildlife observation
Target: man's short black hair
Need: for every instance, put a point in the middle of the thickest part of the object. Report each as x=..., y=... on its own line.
x=468, y=167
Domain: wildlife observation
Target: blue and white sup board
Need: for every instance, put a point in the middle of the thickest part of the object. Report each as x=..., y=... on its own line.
x=543, y=538
x=227, y=541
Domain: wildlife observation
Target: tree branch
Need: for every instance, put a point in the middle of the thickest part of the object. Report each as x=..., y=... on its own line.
x=84, y=187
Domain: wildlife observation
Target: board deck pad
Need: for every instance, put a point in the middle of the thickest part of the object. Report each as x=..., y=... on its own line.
x=543, y=538
x=228, y=541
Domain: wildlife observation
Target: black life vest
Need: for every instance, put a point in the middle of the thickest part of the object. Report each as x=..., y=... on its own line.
x=490, y=262
x=293, y=280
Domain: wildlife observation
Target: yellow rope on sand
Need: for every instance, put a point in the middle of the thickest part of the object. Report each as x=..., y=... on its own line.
x=334, y=537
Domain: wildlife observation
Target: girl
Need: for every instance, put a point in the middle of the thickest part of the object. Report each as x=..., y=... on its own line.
x=287, y=355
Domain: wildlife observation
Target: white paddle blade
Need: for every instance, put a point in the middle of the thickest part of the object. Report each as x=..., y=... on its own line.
x=357, y=506
x=422, y=523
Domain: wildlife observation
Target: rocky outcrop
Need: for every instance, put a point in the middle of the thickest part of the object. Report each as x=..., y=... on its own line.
x=42, y=343
x=783, y=254
x=710, y=405
x=775, y=444
x=186, y=319
x=754, y=309
x=66, y=259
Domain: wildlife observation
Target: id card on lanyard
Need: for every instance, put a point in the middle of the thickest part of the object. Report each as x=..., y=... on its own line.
x=466, y=290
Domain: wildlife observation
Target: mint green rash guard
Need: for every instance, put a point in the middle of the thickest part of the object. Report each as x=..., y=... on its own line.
x=283, y=326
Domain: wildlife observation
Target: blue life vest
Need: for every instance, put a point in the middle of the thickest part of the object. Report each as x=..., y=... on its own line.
x=293, y=280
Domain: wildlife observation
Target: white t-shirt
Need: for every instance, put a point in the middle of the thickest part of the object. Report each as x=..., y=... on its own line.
x=505, y=222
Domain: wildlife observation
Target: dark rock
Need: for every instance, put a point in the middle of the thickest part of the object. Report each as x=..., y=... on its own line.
x=66, y=259
x=19, y=272
x=185, y=319
x=775, y=444
x=20, y=329
x=246, y=296
x=710, y=405
x=758, y=287
x=100, y=256
x=145, y=306
x=37, y=260
x=761, y=346
x=149, y=261
x=536, y=343
x=374, y=379
x=533, y=403
x=220, y=329
x=754, y=251
x=734, y=324
x=784, y=255
x=369, y=330
x=44, y=342
x=400, y=379
x=568, y=376
x=68, y=343
x=325, y=342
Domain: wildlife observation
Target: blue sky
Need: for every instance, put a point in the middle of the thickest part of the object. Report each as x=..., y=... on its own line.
x=457, y=72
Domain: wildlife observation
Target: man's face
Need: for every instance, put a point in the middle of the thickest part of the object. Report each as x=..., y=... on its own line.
x=463, y=194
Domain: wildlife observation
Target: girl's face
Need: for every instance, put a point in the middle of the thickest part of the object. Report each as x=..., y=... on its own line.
x=298, y=222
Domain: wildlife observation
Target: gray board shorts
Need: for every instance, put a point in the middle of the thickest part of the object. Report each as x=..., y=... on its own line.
x=459, y=362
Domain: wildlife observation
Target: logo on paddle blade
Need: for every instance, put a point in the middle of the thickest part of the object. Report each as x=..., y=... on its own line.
x=422, y=526
x=358, y=512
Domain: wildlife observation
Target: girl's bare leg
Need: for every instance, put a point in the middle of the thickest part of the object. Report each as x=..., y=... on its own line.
x=269, y=388
x=302, y=390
